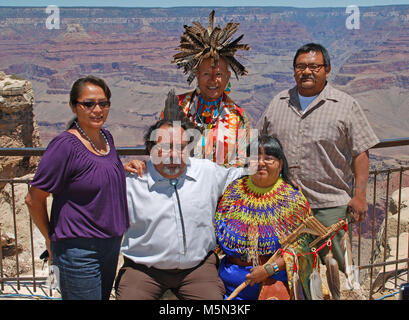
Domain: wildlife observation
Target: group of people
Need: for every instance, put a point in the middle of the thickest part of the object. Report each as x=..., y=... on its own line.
x=202, y=215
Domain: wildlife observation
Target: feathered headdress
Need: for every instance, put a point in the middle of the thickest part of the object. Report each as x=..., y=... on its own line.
x=198, y=43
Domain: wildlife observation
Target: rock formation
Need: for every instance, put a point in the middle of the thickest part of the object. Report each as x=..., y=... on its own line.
x=17, y=126
x=17, y=130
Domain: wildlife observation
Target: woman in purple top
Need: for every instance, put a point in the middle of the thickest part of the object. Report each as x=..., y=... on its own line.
x=89, y=211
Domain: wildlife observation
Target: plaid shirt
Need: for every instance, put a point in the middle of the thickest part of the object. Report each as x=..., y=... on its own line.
x=320, y=143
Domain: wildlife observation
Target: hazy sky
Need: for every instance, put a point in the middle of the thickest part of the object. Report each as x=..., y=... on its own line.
x=196, y=3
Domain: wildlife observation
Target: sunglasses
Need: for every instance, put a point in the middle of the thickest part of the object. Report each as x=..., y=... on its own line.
x=90, y=105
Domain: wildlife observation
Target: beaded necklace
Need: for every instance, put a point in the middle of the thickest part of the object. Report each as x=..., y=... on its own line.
x=91, y=142
x=208, y=117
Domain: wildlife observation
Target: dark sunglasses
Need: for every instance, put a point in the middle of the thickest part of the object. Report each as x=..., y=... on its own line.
x=92, y=104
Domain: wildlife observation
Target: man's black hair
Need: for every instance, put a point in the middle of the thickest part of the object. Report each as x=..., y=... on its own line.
x=313, y=47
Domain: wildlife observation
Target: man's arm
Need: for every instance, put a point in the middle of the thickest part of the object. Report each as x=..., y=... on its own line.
x=358, y=205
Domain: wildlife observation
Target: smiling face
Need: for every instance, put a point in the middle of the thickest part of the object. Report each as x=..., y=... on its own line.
x=268, y=170
x=311, y=83
x=90, y=118
x=212, y=80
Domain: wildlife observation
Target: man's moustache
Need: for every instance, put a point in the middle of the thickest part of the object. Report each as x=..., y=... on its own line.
x=307, y=77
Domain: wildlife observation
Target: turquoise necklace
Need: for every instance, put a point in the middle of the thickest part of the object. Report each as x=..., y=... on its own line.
x=206, y=115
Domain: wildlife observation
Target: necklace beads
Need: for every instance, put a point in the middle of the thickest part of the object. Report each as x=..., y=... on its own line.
x=91, y=142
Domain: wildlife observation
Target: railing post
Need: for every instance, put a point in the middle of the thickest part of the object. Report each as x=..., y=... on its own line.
x=386, y=227
x=373, y=235
x=398, y=227
x=1, y=263
x=15, y=234
x=32, y=248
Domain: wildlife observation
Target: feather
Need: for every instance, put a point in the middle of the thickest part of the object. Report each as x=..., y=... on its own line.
x=228, y=33
x=200, y=27
x=228, y=29
x=233, y=43
x=190, y=38
x=172, y=109
x=349, y=268
x=296, y=282
x=298, y=291
x=266, y=124
x=194, y=30
x=333, y=276
x=214, y=36
x=236, y=66
x=211, y=22
x=316, y=286
x=192, y=75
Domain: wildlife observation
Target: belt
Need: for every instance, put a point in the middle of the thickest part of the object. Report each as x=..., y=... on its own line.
x=235, y=260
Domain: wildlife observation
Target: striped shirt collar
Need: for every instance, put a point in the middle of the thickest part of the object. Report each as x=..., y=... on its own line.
x=328, y=93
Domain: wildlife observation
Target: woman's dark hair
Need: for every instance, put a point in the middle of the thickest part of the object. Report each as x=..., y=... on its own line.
x=77, y=87
x=313, y=47
x=272, y=147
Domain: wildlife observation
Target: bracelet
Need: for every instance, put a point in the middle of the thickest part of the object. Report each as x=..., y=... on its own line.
x=272, y=269
x=275, y=267
x=269, y=269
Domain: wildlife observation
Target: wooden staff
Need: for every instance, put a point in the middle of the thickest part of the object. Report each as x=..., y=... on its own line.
x=311, y=226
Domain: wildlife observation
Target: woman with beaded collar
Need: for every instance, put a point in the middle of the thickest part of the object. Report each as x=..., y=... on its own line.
x=89, y=213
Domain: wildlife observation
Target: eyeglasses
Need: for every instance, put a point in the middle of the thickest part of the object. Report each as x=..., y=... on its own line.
x=267, y=160
x=313, y=67
x=166, y=148
x=90, y=105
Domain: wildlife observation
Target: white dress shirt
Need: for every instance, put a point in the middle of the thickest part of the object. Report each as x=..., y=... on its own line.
x=155, y=236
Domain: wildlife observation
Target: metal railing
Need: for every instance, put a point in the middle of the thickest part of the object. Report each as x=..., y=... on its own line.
x=365, y=240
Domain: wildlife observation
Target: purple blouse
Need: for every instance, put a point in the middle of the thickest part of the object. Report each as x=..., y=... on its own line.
x=89, y=191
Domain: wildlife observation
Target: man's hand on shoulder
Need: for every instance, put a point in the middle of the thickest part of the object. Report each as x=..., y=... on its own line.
x=136, y=166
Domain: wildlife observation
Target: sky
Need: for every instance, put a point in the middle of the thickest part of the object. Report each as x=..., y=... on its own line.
x=201, y=3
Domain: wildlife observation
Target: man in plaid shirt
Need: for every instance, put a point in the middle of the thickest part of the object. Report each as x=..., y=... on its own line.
x=326, y=138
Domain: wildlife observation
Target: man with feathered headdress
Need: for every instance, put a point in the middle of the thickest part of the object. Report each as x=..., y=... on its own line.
x=208, y=54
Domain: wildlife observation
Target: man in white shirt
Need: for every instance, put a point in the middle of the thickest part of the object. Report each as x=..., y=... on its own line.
x=171, y=239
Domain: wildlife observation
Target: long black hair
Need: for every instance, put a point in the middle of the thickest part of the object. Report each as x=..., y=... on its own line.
x=272, y=147
x=77, y=87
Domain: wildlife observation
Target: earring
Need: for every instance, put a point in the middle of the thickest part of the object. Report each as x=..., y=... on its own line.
x=228, y=87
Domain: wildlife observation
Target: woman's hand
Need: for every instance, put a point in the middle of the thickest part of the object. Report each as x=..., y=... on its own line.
x=136, y=166
x=36, y=201
x=48, y=245
x=257, y=274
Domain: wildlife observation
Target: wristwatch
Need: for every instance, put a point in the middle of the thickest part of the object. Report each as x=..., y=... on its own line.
x=271, y=269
